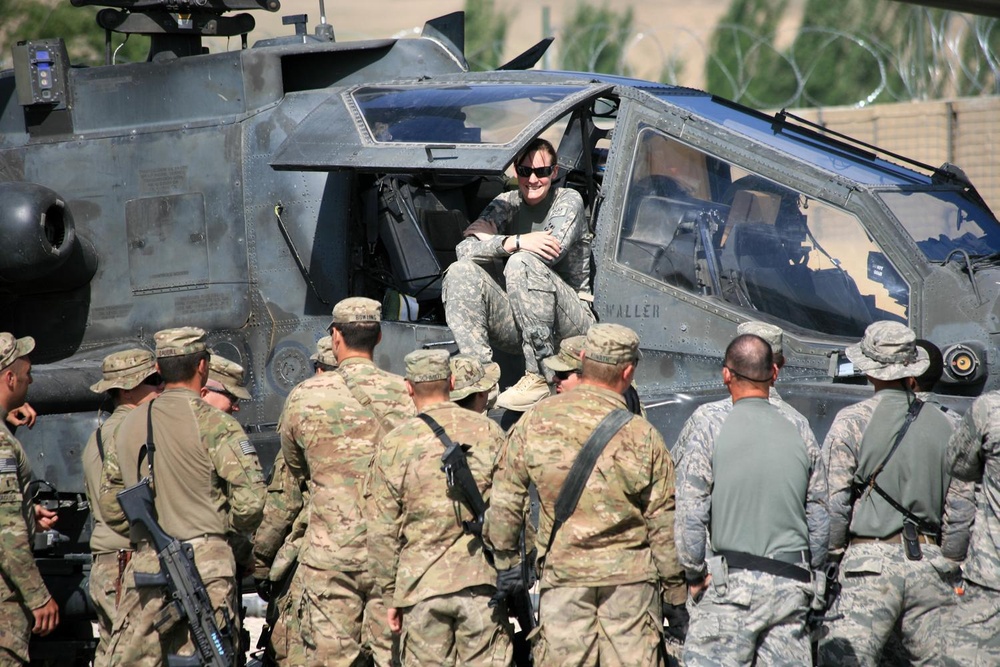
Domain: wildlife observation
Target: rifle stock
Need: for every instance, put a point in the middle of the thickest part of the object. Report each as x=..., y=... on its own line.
x=178, y=574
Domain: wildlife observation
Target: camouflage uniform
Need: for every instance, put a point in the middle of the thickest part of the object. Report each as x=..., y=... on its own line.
x=529, y=302
x=749, y=615
x=600, y=602
x=208, y=484
x=973, y=456
x=275, y=548
x=416, y=542
x=881, y=589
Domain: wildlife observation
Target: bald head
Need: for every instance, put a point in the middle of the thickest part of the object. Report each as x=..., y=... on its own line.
x=749, y=358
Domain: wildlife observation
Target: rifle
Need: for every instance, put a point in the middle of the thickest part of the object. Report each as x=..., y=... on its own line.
x=266, y=656
x=180, y=577
x=460, y=479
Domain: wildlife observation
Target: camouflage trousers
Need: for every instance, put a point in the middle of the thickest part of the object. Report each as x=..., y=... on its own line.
x=16, y=622
x=144, y=633
x=882, y=590
x=974, y=632
x=751, y=618
x=286, y=637
x=343, y=620
x=531, y=312
x=456, y=629
x=609, y=626
x=103, y=593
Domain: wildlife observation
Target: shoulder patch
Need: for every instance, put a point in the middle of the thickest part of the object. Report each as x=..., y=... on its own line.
x=8, y=466
x=247, y=448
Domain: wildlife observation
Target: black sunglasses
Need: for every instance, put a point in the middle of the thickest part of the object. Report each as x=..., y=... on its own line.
x=524, y=171
x=564, y=375
x=233, y=399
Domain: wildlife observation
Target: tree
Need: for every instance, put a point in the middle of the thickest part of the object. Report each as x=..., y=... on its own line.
x=594, y=38
x=485, y=34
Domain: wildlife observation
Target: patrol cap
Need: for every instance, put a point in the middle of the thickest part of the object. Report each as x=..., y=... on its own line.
x=427, y=365
x=471, y=376
x=12, y=349
x=771, y=334
x=229, y=374
x=125, y=370
x=324, y=352
x=568, y=358
x=356, y=309
x=179, y=342
x=889, y=352
x=611, y=344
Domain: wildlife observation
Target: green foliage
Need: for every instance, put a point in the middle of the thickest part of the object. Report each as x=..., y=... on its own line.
x=34, y=19
x=593, y=39
x=485, y=34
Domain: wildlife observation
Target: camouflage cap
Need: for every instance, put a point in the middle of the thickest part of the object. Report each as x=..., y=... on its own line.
x=324, y=352
x=427, y=365
x=12, y=349
x=356, y=309
x=568, y=358
x=889, y=352
x=180, y=341
x=229, y=374
x=472, y=376
x=771, y=334
x=611, y=344
x=125, y=370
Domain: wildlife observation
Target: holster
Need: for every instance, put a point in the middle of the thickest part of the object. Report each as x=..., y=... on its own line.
x=719, y=571
x=911, y=541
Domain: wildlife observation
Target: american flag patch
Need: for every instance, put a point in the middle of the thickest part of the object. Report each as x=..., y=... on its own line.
x=8, y=466
x=247, y=448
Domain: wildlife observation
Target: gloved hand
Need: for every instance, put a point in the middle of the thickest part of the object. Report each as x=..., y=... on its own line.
x=509, y=582
x=677, y=621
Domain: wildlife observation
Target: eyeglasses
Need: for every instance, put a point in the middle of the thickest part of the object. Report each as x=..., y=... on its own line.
x=562, y=376
x=524, y=171
x=154, y=380
x=232, y=399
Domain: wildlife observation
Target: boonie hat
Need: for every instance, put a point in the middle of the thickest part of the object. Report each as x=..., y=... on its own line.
x=179, y=342
x=125, y=370
x=771, y=334
x=889, y=352
x=12, y=349
x=324, y=352
x=356, y=309
x=611, y=344
x=568, y=358
x=229, y=374
x=471, y=376
x=427, y=365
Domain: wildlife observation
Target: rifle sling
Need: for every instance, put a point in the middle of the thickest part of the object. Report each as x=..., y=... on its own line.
x=448, y=444
x=583, y=466
x=148, y=448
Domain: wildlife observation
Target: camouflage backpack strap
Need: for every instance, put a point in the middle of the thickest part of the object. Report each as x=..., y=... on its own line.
x=361, y=397
x=576, y=480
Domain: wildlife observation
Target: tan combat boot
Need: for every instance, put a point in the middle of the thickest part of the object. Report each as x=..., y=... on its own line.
x=530, y=389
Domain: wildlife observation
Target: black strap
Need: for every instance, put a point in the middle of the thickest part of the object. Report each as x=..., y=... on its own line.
x=740, y=560
x=437, y=428
x=911, y=416
x=576, y=480
x=100, y=442
x=148, y=448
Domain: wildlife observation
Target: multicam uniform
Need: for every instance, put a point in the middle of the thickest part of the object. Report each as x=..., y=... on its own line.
x=880, y=586
x=600, y=602
x=21, y=586
x=416, y=543
x=750, y=614
x=973, y=455
x=329, y=430
x=109, y=548
x=208, y=484
x=522, y=306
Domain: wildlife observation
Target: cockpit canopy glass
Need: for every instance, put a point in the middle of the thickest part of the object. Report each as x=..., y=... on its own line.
x=943, y=221
x=455, y=114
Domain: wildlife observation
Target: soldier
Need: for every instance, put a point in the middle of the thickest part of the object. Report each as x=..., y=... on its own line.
x=760, y=504
x=889, y=486
x=416, y=540
x=324, y=359
x=539, y=234
x=208, y=485
x=566, y=368
x=600, y=597
x=329, y=429
x=474, y=382
x=973, y=456
x=25, y=602
x=130, y=379
x=224, y=388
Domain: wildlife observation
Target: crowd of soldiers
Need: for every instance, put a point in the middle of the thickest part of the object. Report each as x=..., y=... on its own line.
x=368, y=551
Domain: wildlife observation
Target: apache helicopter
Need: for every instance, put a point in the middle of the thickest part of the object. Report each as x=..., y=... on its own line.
x=246, y=192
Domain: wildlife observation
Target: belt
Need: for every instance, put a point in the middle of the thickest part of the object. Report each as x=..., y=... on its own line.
x=895, y=538
x=785, y=564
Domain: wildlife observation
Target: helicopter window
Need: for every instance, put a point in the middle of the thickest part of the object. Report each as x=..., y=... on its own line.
x=944, y=221
x=459, y=114
x=701, y=224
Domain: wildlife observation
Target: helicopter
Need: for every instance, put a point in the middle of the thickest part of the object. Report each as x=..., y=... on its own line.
x=246, y=192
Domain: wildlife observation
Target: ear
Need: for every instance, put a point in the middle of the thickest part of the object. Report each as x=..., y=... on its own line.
x=451, y=383
x=727, y=376
x=555, y=169
x=379, y=340
x=409, y=388
x=628, y=373
x=774, y=373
